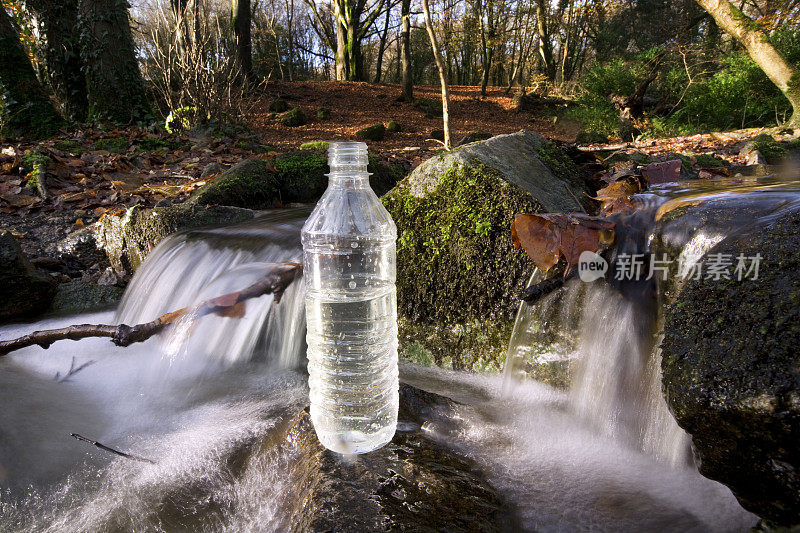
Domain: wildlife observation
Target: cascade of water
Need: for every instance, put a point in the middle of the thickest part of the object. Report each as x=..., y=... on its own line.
x=187, y=269
x=606, y=334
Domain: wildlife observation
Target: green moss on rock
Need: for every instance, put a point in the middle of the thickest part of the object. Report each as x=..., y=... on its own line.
x=431, y=108
x=772, y=150
x=301, y=176
x=375, y=132
x=323, y=113
x=295, y=117
x=34, y=164
x=249, y=183
x=393, y=127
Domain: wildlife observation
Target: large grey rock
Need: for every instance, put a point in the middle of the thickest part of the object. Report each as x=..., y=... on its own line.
x=127, y=239
x=24, y=290
x=731, y=371
x=459, y=277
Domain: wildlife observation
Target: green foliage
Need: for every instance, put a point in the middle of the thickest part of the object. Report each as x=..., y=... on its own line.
x=182, y=119
x=772, y=150
x=591, y=137
x=293, y=118
x=375, y=132
x=278, y=106
x=301, y=175
x=315, y=146
x=33, y=163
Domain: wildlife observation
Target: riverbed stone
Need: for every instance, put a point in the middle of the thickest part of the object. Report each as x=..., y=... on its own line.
x=459, y=277
x=128, y=238
x=731, y=371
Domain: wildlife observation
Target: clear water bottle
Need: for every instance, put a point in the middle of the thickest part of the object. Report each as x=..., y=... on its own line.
x=351, y=309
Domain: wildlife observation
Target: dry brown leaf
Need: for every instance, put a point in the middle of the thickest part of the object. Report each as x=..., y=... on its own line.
x=538, y=237
x=237, y=310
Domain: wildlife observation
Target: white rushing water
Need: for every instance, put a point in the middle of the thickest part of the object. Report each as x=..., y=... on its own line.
x=605, y=455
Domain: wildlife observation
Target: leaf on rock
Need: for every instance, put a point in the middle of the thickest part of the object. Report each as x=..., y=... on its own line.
x=539, y=238
x=547, y=237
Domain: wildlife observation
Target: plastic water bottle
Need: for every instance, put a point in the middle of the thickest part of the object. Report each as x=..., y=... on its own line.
x=351, y=309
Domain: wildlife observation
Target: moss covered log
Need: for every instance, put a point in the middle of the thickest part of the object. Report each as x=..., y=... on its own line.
x=25, y=109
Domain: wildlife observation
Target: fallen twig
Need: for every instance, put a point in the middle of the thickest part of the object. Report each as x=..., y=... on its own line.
x=112, y=450
x=72, y=370
x=274, y=282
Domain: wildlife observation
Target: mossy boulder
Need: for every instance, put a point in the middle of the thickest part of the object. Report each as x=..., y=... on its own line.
x=456, y=264
x=731, y=371
x=393, y=127
x=299, y=176
x=127, y=239
x=431, y=108
x=24, y=290
x=249, y=183
x=293, y=118
x=376, y=132
x=323, y=113
x=766, y=145
x=278, y=105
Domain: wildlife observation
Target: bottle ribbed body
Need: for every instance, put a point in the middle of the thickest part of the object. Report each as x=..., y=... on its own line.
x=351, y=309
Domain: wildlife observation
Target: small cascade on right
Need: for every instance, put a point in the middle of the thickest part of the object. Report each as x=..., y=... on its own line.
x=600, y=340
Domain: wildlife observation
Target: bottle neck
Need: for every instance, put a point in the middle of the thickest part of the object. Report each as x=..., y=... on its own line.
x=349, y=179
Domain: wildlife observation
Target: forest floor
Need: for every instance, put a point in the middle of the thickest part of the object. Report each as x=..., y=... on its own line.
x=91, y=171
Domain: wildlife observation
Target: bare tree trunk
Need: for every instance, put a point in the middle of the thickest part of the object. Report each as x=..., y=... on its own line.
x=341, y=48
x=545, y=46
x=437, y=54
x=25, y=110
x=113, y=80
x=747, y=32
x=244, y=44
x=382, y=46
x=405, y=52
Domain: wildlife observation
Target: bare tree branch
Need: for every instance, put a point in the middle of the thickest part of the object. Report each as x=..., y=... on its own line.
x=275, y=281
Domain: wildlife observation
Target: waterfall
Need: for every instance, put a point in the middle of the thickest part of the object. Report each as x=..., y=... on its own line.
x=605, y=335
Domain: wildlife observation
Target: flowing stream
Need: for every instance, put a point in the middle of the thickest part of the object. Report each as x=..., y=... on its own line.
x=604, y=454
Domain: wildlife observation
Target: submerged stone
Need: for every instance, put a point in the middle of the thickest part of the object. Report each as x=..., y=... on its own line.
x=731, y=371
x=80, y=297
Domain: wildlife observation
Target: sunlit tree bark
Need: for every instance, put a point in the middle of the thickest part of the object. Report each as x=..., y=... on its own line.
x=437, y=54
x=745, y=30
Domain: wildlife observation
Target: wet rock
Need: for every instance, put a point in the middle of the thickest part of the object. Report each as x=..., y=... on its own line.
x=24, y=290
x=731, y=371
x=249, y=183
x=127, y=239
x=412, y=484
x=80, y=297
x=458, y=271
